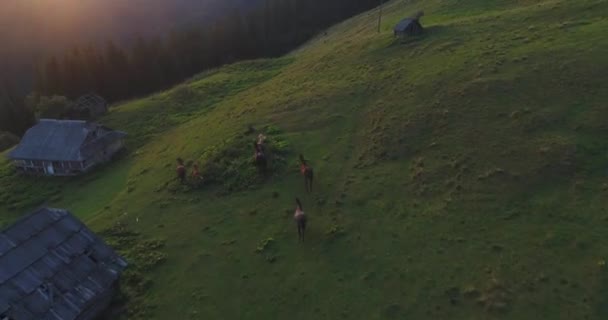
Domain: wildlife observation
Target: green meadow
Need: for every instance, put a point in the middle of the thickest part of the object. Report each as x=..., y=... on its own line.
x=462, y=174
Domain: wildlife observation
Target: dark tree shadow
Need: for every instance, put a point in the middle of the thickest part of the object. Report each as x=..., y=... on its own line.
x=601, y=308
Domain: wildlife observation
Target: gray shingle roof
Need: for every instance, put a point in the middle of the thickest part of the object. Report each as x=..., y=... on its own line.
x=55, y=140
x=53, y=267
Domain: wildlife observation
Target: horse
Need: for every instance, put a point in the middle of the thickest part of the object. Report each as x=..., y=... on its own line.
x=259, y=157
x=181, y=170
x=300, y=218
x=307, y=172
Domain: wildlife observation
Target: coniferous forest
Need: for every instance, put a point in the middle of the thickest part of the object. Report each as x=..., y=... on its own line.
x=150, y=64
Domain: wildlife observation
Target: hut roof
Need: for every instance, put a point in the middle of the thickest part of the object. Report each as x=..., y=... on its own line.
x=58, y=140
x=404, y=24
x=53, y=267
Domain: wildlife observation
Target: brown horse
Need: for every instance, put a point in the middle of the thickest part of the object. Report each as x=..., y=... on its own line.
x=181, y=170
x=307, y=172
x=300, y=219
x=259, y=157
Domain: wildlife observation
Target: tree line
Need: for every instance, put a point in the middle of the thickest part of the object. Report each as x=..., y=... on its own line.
x=150, y=64
x=15, y=117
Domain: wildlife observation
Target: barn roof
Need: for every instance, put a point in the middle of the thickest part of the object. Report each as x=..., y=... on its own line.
x=405, y=23
x=56, y=140
x=53, y=267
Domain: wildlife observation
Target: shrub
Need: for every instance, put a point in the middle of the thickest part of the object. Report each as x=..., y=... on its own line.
x=183, y=94
x=143, y=255
x=273, y=130
x=54, y=107
x=230, y=163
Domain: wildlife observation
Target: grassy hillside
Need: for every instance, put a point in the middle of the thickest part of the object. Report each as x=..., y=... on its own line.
x=460, y=175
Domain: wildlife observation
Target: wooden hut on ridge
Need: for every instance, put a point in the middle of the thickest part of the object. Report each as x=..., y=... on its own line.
x=409, y=26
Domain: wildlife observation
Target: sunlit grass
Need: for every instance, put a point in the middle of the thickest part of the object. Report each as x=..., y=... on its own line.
x=461, y=175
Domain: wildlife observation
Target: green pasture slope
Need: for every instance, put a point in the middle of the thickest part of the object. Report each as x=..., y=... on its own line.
x=460, y=175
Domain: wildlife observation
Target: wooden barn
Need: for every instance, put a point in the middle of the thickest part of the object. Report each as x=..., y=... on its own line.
x=65, y=147
x=53, y=267
x=409, y=26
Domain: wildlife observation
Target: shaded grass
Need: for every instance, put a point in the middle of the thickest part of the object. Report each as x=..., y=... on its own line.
x=144, y=255
x=191, y=99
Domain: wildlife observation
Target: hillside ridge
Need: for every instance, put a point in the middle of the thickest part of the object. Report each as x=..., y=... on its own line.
x=458, y=175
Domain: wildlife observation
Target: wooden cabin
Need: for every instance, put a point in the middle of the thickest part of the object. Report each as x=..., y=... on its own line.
x=65, y=147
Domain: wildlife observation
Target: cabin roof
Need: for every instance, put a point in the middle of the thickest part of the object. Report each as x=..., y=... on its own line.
x=53, y=267
x=57, y=140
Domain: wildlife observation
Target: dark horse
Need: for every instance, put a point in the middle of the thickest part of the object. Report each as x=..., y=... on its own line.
x=300, y=219
x=181, y=170
x=260, y=157
x=307, y=172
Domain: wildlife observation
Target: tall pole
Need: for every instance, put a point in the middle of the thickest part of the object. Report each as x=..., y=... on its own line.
x=380, y=15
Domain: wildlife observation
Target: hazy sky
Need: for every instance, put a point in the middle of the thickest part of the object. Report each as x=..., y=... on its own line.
x=49, y=22
x=31, y=29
